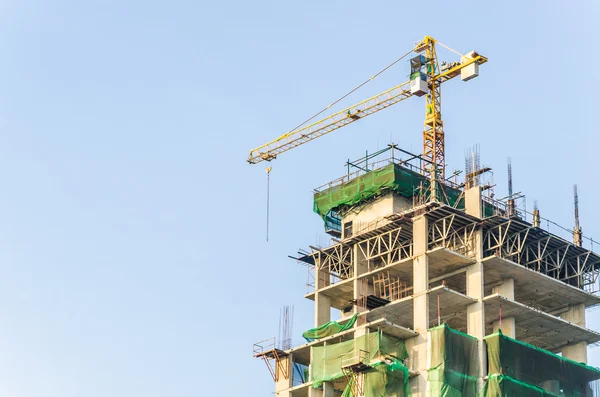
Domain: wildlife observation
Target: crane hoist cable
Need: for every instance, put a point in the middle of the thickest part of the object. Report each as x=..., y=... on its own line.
x=268, y=171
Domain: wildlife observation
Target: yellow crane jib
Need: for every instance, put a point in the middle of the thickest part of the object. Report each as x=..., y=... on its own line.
x=426, y=77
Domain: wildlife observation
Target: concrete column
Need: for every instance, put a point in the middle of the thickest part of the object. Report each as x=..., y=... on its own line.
x=475, y=315
x=322, y=315
x=315, y=392
x=507, y=290
x=322, y=303
x=361, y=287
x=322, y=309
x=328, y=389
x=475, y=280
x=576, y=351
x=283, y=385
x=418, y=355
x=361, y=290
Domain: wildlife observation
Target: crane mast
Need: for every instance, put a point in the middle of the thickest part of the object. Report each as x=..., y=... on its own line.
x=426, y=80
x=433, y=131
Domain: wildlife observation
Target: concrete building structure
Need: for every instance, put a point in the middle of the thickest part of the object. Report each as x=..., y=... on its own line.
x=412, y=254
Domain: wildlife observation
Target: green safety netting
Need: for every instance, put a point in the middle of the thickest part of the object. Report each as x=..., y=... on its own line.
x=499, y=385
x=328, y=329
x=454, y=367
x=386, y=374
x=392, y=177
x=516, y=365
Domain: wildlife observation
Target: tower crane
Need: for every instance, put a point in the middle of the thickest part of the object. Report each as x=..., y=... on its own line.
x=426, y=79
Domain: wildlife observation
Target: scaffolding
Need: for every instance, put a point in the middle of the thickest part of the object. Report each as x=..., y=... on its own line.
x=390, y=288
x=353, y=366
x=273, y=357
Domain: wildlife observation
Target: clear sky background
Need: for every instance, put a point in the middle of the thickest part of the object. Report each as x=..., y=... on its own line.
x=133, y=259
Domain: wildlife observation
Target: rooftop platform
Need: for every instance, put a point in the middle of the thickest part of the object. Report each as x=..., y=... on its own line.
x=370, y=182
x=533, y=288
x=534, y=326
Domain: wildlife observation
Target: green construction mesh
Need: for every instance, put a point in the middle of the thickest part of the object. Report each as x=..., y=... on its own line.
x=504, y=386
x=327, y=360
x=454, y=363
x=328, y=329
x=392, y=177
x=385, y=375
x=524, y=366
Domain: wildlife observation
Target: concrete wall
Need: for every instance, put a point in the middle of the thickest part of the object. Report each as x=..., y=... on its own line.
x=386, y=205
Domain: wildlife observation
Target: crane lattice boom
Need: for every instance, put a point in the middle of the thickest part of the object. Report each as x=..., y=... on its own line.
x=344, y=117
x=433, y=132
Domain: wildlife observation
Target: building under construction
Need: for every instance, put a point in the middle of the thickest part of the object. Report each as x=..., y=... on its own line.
x=442, y=289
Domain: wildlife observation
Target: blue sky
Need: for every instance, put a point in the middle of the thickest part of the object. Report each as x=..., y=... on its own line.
x=133, y=260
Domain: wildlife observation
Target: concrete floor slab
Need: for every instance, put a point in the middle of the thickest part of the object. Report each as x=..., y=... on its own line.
x=452, y=309
x=534, y=326
x=340, y=293
x=533, y=288
x=391, y=329
x=442, y=261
